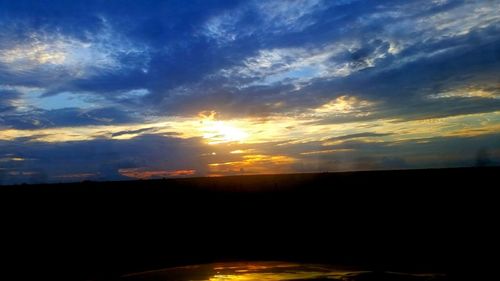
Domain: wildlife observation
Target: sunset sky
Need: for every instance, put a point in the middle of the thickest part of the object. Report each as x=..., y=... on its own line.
x=114, y=90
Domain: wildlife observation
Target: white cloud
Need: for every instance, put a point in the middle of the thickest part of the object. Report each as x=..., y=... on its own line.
x=466, y=93
x=300, y=65
x=68, y=56
x=133, y=94
x=21, y=103
x=22, y=89
x=31, y=98
x=292, y=15
x=223, y=28
x=273, y=65
x=275, y=16
x=415, y=23
x=460, y=21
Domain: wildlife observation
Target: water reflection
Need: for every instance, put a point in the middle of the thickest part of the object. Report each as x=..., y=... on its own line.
x=271, y=271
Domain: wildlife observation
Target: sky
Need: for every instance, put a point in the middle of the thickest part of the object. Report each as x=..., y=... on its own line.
x=121, y=89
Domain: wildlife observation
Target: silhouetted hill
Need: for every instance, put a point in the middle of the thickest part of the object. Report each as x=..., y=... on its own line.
x=387, y=220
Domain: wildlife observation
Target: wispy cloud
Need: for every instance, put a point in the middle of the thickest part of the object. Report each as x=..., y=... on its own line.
x=70, y=57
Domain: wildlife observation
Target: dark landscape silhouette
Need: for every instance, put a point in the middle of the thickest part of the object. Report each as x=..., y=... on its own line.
x=380, y=221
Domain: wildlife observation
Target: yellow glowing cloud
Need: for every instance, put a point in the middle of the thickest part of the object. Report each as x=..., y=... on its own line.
x=242, y=151
x=253, y=164
x=281, y=131
x=39, y=53
x=466, y=93
x=139, y=173
x=12, y=159
x=344, y=105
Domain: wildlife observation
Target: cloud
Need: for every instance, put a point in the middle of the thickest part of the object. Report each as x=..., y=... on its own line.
x=467, y=94
x=295, y=15
x=141, y=173
x=65, y=117
x=345, y=105
x=103, y=159
x=253, y=164
x=57, y=57
x=8, y=100
x=358, y=135
x=132, y=132
x=267, y=16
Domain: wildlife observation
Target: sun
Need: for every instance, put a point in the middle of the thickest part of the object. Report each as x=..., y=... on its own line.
x=217, y=131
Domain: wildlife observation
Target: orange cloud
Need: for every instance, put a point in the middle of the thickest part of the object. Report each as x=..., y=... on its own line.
x=141, y=173
x=253, y=164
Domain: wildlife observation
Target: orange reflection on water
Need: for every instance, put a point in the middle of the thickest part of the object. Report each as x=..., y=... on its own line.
x=274, y=271
x=255, y=271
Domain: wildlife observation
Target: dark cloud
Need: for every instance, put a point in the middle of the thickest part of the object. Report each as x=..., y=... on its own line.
x=66, y=117
x=6, y=101
x=100, y=159
x=121, y=133
x=358, y=135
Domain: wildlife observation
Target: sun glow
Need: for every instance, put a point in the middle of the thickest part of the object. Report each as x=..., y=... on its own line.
x=216, y=131
x=221, y=132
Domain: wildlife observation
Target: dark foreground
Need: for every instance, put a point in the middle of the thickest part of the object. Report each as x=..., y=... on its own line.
x=384, y=223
